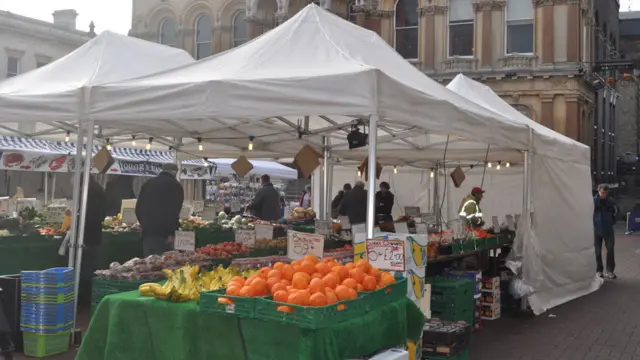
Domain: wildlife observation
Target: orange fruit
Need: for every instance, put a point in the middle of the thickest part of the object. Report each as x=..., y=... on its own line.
x=259, y=287
x=278, y=266
x=300, y=282
x=352, y=283
x=316, y=285
x=352, y=294
x=284, y=308
x=233, y=283
x=331, y=280
x=323, y=268
x=317, y=276
x=287, y=272
x=233, y=290
x=359, y=288
x=350, y=266
x=369, y=283
x=296, y=265
x=285, y=282
x=264, y=271
x=342, y=292
x=305, y=295
x=310, y=258
x=275, y=274
x=238, y=279
x=280, y=296
x=308, y=267
x=318, y=299
x=341, y=271
x=331, y=298
x=225, y=301
x=357, y=275
x=375, y=273
x=247, y=291
x=386, y=279
x=364, y=265
x=271, y=282
x=250, y=280
x=302, y=275
x=278, y=287
x=328, y=260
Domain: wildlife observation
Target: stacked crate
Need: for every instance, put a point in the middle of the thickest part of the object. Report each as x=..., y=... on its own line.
x=445, y=340
x=476, y=277
x=491, y=301
x=453, y=299
x=47, y=310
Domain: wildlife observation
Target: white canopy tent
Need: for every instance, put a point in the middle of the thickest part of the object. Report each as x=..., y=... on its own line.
x=260, y=167
x=557, y=255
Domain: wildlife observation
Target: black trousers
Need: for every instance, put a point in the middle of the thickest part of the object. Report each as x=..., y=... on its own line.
x=609, y=243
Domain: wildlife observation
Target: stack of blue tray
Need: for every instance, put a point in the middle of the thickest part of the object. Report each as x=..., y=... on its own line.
x=47, y=301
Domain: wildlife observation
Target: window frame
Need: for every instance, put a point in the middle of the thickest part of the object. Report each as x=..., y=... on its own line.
x=233, y=28
x=195, y=36
x=396, y=28
x=18, y=66
x=161, y=32
x=506, y=32
x=460, y=22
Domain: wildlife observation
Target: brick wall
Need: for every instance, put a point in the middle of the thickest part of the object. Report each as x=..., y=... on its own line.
x=627, y=118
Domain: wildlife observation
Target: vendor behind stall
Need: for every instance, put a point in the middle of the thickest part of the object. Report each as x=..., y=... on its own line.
x=335, y=203
x=470, y=211
x=354, y=204
x=384, y=203
x=266, y=204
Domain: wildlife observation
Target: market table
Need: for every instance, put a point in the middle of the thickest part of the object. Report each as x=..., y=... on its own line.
x=127, y=326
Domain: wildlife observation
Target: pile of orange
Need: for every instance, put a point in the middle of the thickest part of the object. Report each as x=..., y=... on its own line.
x=310, y=282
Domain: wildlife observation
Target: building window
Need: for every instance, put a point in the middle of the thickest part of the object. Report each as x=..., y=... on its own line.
x=351, y=13
x=406, y=28
x=204, y=36
x=168, y=32
x=40, y=64
x=13, y=66
x=239, y=35
x=519, y=27
x=460, y=28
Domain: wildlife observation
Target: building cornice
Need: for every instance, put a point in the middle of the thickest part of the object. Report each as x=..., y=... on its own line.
x=489, y=5
x=432, y=10
x=41, y=29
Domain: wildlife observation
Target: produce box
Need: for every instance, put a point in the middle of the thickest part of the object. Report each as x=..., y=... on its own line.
x=469, y=245
x=491, y=241
x=386, y=295
x=464, y=355
x=235, y=305
x=445, y=333
x=45, y=345
x=312, y=317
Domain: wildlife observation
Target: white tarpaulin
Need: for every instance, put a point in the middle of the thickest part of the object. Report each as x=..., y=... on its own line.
x=558, y=259
x=260, y=167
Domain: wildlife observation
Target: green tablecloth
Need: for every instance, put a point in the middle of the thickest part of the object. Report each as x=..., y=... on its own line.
x=129, y=327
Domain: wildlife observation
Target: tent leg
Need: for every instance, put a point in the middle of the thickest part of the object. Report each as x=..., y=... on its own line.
x=53, y=187
x=371, y=169
x=46, y=188
x=75, y=197
x=328, y=177
x=322, y=201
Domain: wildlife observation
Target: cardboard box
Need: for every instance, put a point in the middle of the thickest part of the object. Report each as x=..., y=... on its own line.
x=242, y=166
x=489, y=298
x=491, y=312
x=491, y=284
x=103, y=160
x=306, y=161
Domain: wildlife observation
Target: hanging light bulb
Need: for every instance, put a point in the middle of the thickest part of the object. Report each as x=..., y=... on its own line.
x=67, y=138
x=508, y=164
x=359, y=173
x=108, y=144
x=206, y=162
x=489, y=164
x=200, y=147
x=431, y=174
x=498, y=166
x=250, y=147
x=133, y=140
x=395, y=170
x=148, y=146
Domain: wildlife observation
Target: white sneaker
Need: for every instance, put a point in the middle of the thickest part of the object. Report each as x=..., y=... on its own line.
x=611, y=276
x=599, y=274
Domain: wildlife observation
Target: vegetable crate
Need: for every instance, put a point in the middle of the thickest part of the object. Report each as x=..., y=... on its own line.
x=310, y=316
x=386, y=295
x=45, y=345
x=103, y=287
x=464, y=355
x=217, y=301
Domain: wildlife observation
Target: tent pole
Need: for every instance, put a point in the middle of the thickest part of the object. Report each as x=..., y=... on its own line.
x=526, y=206
x=46, y=187
x=436, y=201
x=371, y=172
x=328, y=177
x=322, y=214
x=76, y=187
x=53, y=186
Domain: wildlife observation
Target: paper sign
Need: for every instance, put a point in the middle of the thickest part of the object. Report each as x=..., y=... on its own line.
x=185, y=241
x=385, y=254
x=359, y=229
x=246, y=237
x=421, y=228
x=323, y=227
x=198, y=206
x=429, y=219
x=185, y=212
x=218, y=206
x=496, y=224
x=4, y=205
x=209, y=214
x=517, y=220
x=413, y=211
x=264, y=231
x=129, y=216
x=344, y=222
x=235, y=206
x=55, y=214
x=510, y=224
x=401, y=228
x=25, y=203
x=300, y=244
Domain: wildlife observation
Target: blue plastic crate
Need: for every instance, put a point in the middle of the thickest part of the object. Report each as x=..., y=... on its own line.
x=52, y=276
x=43, y=329
x=47, y=299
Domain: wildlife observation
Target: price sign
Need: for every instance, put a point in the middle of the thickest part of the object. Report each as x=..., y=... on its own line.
x=429, y=219
x=185, y=212
x=517, y=220
x=22, y=204
x=496, y=224
x=55, y=214
x=359, y=229
x=421, y=228
x=129, y=216
x=264, y=231
x=4, y=205
x=323, y=227
x=344, y=222
x=198, y=206
x=218, y=206
x=385, y=254
x=300, y=244
x=413, y=211
x=235, y=206
x=510, y=224
x=209, y=214
x=401, y=228
x=246, y=237
x=185, y=241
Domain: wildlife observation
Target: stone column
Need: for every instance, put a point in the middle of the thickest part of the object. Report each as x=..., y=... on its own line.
x=544, y=20
x=216, y=37
x=484, y=48
x=386, y=25
x=546, y=110
x=427, y=35
x=254, y=28
x=572, y=120
x=574, y=31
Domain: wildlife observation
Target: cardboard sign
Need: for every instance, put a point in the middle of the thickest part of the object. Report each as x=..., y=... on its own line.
x=300, y=244
x=185, y=212
x=246, y=237
x=198, y=206
x=235, y=206
x=218, y=206
x=413, y=211
x=185, y=241
x=323, y=227
x=344, y=222
x=421, y=228
x=401, y=228
x=264, y=231
x=496, y=224
x=209, y=214
x=517, y=220
x=55, y=214
x=25, y=203
x=428, y=218
x=129, y=216
x=385, y=254
x=510, y=223
x=4, y=205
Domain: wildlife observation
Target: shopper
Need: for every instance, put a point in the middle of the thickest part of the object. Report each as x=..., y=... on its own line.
x=158, y=210
x=335, y=203
x=95, y=214
x=354, y=204
x=384, y=202
x=604, y=218
x=469, y=209
x=305, y=198
x=266, y=204
x=119, y=188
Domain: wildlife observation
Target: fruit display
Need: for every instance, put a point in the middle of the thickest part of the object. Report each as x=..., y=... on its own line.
x=150, y=268
x=310, y=282
x=51, y=231
x=264, y=243
x=229, y=192
x=225, y=250
x=300, y=213
x=238, y=222
x=194, y=222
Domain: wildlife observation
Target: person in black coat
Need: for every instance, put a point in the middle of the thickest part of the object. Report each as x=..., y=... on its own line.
x=266, y=204
x=384, y=202
x=335, y=204
x=354, y=204
x=158, y=210
x=119, y=188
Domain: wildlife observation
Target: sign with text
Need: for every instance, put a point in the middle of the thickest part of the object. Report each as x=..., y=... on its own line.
x=264, y=231
x=428, y=218
x=246, y=237
x=385, y=254
x=300, y=244
x=129, y=216
x=198, y=206
x=421, y=228
x=413, y=211
x=209, y=214
x=496, y=224
x=4, y=205
x=510, y=223
x=401, y=228
x=218, y=206
x=55, y=214
x=235, y=206
x=323, y=227
x=344, y=222
x=185, y=241
x=185, y=212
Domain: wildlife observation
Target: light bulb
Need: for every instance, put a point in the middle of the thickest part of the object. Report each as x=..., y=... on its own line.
x=250, y=147
x=489, y=164
x=108, y=146
x=67, y=138
x=200, y=147
x=508, y=164
x=431, y=174
x=395, y=170
x=133, y=140
x=148, y=147
x=359, y=173
x=498, y=167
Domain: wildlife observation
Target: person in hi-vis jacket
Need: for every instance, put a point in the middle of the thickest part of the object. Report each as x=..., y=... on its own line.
x=469, y=210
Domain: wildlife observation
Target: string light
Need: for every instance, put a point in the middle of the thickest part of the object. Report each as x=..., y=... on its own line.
x=148, y=146
x=206, y=162
x=431, y=174
x=68, y=137
x=108, y=144
x=508, y=164
x=395, y=170
x=250, y=147
x=498, y=166
x=133, y=140
x=359, y=173
x=489, y=164
x=200, y=147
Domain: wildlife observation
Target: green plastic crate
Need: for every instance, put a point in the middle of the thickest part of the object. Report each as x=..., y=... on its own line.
x=481, y=243
x=45, y=345
x=464, y=355
x=491, y=241
x=47, y=299
x=386, y=295
x=100, y=288
x=469, y=245
x=241, y=307
x=312, y=317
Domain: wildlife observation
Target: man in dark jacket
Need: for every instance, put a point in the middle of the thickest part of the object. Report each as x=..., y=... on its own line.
x=158, y=210
x=119, y=188
x=335, y=203
x=604, y=217
x=266, y=204
x=384, y=202
x=96, y=212
x=354, y=204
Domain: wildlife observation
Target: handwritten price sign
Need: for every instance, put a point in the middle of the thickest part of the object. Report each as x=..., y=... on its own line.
x=385, y=254
x=323, y=227
x=185, y=212
x=185, y=241
x=198, y=206
x=55, y=214
x=413, y=211
x=209, y=214
x=129, y=216
x=300, y=244
x=246, y=237
x=264, y=231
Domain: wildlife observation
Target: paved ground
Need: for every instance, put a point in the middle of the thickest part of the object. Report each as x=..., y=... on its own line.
x=601, y=326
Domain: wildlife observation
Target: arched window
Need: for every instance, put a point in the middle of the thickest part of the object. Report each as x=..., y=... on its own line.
x=204, y=36
x=351, y=14
x=406, y=28
x=168, y=32
x=239, y=34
